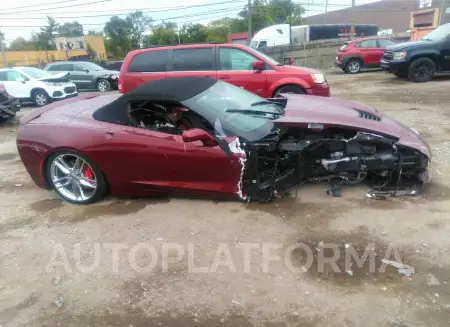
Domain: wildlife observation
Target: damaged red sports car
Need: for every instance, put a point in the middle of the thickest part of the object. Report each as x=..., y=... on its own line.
x=203, y=137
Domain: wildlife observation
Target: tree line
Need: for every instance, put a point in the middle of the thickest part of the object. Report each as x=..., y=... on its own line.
x=138, y=30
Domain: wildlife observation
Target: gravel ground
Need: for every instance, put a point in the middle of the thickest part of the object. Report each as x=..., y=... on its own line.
x=103, y=264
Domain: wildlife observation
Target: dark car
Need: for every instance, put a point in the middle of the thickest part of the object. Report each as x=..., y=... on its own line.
x=8, y=105
x=203, y=137
x=357, y=54
x=420, y=60
x=87, y=75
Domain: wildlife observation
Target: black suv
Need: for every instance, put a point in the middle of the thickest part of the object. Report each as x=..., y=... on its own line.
x=420, y=60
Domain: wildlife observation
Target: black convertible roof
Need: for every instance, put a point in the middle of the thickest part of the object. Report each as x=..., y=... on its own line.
x=171, y=89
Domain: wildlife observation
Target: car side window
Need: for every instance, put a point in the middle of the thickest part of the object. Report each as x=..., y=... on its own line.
x=78, y=67
x=12, y=76
x=384, y=43
x=149, y=62
x=66, y=67
x=54, y=68
x=193, y=59
x=368, y=44
x=262, y=45
x=235, y=59
x=3, y=77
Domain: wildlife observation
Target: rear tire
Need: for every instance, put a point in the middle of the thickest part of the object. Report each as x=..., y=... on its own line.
x=293, y=89
x=353, y=66
x=40, y=98
x=421, y=70
x=93, y=187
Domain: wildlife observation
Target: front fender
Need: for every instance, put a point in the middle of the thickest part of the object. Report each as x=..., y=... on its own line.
x=289, y=81
x=417, y=53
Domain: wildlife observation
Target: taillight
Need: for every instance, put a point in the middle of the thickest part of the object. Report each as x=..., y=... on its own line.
x=120, y=86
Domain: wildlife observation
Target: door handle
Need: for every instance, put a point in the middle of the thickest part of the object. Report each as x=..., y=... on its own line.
x=224, y=77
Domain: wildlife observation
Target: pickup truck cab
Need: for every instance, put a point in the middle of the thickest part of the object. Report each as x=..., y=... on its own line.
x=419, y=60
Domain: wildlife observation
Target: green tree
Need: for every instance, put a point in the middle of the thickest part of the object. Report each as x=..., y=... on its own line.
x=96, y=33
x=118, y=33
x=71, y=29
x=139, y=24
x=219, y=29
x=193, y=33
x=20, y=44
x=45, y=36
x=285, y=11
x=164, y=34
x=91, y=52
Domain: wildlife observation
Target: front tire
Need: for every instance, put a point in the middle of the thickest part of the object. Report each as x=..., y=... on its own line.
x=293, y=89
x=103, y=85
x=40, y=98
x=353, y=66
x=75, y=178
x=421, y=70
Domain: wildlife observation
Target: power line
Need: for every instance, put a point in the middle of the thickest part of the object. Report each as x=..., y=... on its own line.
x=76, y=5
x=143, y=10
x=225, y=10
x=42, y=4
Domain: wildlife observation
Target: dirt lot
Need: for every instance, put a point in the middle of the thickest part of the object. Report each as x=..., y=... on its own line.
x=36, y=227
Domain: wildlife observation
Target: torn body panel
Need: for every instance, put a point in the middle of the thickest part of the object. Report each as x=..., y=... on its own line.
x=296, y=155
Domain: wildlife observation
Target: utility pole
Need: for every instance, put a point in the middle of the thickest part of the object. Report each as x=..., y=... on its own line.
x=352, y=28
x=249, y=12
x=2, y=45
x=326, y=5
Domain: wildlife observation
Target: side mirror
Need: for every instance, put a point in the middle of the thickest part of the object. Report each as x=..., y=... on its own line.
x=20, y=79
x=258, y=65
x=196, y=134
x=86, y=70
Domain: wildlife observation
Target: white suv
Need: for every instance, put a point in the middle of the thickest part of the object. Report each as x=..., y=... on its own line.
x=39, y=86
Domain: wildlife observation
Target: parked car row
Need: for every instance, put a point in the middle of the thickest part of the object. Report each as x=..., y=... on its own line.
x=59, y=80
x=417, y=60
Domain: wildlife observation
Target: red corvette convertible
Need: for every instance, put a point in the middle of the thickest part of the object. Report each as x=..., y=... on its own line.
x=203, y=137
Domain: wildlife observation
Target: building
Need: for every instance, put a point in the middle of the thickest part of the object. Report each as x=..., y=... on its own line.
x=395, y=15
x=239, y=38
x=97, y=43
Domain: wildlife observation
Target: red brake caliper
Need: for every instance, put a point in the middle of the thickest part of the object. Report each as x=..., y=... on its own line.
x=88, y=173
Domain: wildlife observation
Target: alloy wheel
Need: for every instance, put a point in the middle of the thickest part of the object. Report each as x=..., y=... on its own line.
x=102, y=87
x=41, y=99
x=73, y=177
x=354, y=67
x=422, y=71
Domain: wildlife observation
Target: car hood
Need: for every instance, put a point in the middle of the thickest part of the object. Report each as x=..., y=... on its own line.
x=60, y=77
x=302, y=110
x=409, y=45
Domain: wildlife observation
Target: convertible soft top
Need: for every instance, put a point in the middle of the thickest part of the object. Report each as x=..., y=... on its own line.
x=171, y=89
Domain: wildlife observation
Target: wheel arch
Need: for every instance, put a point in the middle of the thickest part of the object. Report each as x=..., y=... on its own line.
x=34, y=89
x=288, y=81
x=289, y=84
x=346, y=59
x=429, y=55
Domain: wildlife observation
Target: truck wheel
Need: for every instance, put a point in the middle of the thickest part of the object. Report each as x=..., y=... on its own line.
x=353, y=66
x=421, y=70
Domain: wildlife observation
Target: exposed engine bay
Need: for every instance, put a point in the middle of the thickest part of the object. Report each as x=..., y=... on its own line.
x=293, y=156
x=165, y=117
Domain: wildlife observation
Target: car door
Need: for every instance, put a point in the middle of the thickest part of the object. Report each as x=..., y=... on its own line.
x=156, y=161
x=370, y=52
x=81, y=77
x=17, y=89
x=445, y=54
x=192, y=61
x=383, y=44
x=235, y=67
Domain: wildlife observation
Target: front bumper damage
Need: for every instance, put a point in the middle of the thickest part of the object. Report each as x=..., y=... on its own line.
x=279, y=163
x=8, y=108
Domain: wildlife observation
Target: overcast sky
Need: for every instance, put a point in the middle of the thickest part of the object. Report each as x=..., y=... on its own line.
x=22, y=17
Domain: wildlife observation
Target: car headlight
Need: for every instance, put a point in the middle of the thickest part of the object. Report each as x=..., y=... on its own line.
x=399, y=55
x=318, y=78
x=114, y=76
